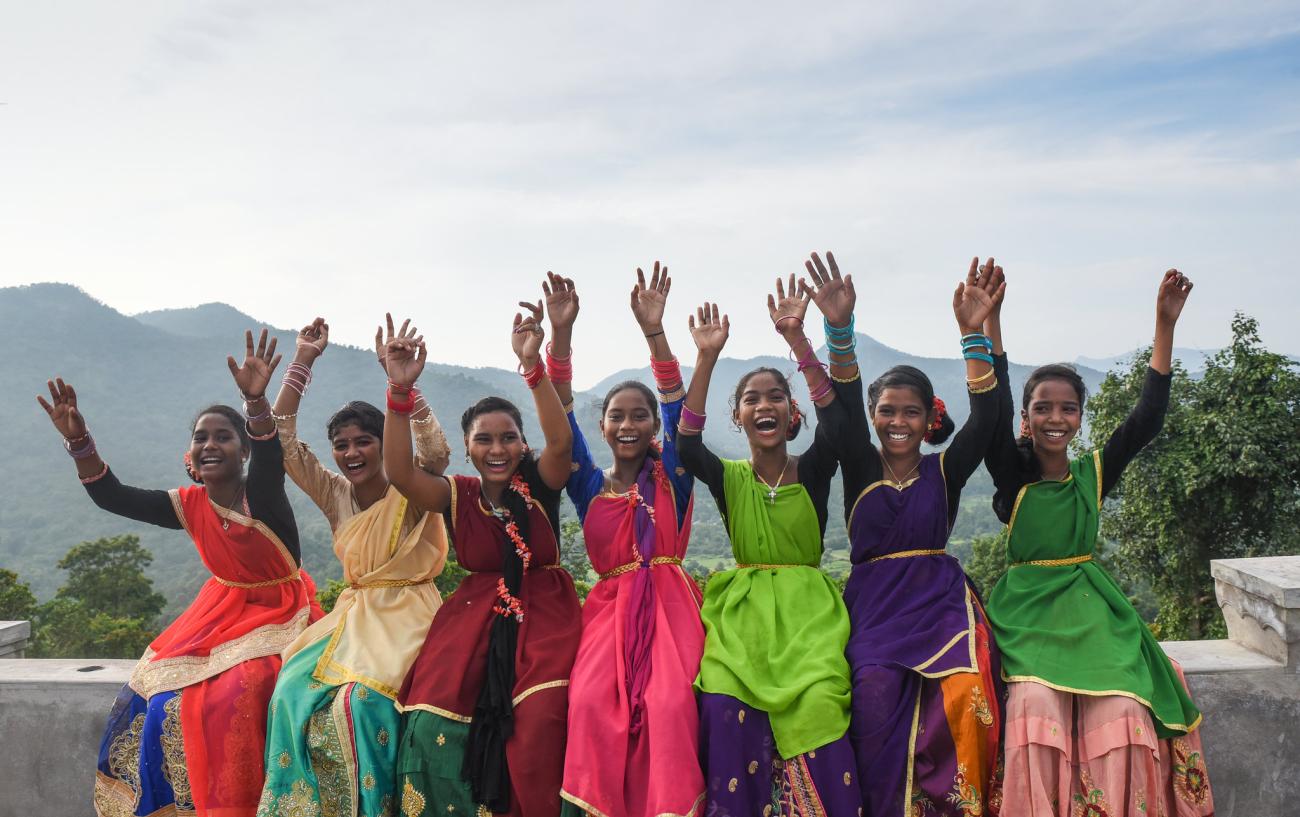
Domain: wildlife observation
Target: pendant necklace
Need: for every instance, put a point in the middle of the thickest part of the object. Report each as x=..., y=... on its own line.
x=771, y=489
x=898, y=483
x=242, y=497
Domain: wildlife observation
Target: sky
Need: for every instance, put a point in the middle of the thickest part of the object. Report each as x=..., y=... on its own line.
x=436, y=159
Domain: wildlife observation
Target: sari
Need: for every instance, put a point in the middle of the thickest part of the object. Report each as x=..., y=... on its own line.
x=187, y=733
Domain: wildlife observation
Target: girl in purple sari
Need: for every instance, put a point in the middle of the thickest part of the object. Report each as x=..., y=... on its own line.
x=926, y=712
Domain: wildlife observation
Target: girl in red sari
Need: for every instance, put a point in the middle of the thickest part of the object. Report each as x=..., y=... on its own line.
x=485, y=703
x=186, y=735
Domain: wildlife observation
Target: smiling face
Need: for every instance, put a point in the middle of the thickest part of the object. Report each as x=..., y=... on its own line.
x=763, y=411
x=900, y=418
x=629, y=424
x=496, y=446
x=1054, y=413
x=216, y=450
x=358, y=454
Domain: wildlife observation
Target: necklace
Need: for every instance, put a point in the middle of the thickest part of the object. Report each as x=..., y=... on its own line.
x=898, y=483
x=771, y=489
x=240, y=497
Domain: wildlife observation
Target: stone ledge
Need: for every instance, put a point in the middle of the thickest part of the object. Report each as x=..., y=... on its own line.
x=13, y=638
x=1276, y=578
x=1203, y=657
x=45, y=671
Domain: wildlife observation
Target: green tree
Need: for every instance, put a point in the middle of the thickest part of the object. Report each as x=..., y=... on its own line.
x=16, y=600
x=328, y=595
x=987, y=562
x=1222, y=480
x=449, y=579
x=107, y=575
x=573, y=555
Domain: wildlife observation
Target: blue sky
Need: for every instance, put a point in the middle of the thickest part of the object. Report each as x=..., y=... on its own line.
x=338, y=159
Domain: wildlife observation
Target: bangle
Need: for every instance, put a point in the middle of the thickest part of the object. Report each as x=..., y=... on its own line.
x=257, y=418
x=283, y=418
x=840, y=349
x=690, y=421
x=987, y=358
x=970, y=387
x=398, y=407
x=668, y=375
x=839, y=332
x=808, y=361
x=971, y=381
x=654, y=334
x=103, y=472
x=855, y=378
x=852, y=361
x=534, y=375
x=560, y=368
x=261, y=438
x=83, y=452
x=777, y=324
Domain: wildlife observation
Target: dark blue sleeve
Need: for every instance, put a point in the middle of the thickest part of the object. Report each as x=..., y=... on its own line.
x=683, y=483
x=586, y=478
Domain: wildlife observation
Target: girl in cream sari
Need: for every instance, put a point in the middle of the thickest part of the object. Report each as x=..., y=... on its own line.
x=332, y=731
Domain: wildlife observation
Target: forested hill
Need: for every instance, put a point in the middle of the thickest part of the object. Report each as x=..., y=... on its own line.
x=140, y=379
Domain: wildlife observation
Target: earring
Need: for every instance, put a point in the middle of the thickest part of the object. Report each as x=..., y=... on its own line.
x=467, y=457
x=189, y=469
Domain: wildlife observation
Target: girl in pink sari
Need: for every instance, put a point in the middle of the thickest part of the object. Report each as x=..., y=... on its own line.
x=633, y=722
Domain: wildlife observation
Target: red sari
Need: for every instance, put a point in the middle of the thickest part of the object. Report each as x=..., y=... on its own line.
x=221, y=656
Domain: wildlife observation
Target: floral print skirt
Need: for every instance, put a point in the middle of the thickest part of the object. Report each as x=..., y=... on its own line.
x=1070, y=755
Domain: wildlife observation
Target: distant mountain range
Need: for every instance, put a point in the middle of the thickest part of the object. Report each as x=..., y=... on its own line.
x=141, y=378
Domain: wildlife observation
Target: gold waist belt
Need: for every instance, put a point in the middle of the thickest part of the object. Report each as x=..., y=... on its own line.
x=740, y=565
x=630, y=566
x=907, y=554
x=293, y=577
x=1073, y=560
x=388, y=583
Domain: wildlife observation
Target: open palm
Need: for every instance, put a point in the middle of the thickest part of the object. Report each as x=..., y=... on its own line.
x=649, y=300
x=833, y=293
x=709, y=332
x=255, y=372
x=404, y=360
x=62, y=409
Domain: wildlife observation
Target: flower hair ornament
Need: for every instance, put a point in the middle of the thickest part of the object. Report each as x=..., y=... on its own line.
x=796, y=420
x=189, y=468
x=1024, y=429
x=940, y=411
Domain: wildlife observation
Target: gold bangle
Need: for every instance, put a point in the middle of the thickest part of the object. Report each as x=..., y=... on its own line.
x=855, y=378
x=973, y=380
x=982, y=389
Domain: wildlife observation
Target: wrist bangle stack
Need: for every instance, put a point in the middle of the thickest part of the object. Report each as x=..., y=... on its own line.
x=668, y=379
x=261, y=416
x=103, y=472
x=398, y=406
x=840, y=339
x=560, y=368
x=690, y=421
x=977, y=346
x=261, y=438
x=80, y=448
x=297, y=377
x=534, y=375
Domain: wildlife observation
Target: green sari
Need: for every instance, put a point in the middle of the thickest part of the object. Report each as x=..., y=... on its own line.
x=776, y=626
x=1062, y=621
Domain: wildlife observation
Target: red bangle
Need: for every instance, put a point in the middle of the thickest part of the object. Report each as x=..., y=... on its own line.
x=401, y=408
x=559, y=368
x=534, y=375
x=667, y=373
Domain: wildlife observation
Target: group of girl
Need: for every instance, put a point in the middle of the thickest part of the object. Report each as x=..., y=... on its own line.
x=773, y=693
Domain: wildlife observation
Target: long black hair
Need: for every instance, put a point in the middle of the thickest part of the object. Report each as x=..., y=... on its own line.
x=1029, y=468
x=910, y=377
x=484, y=764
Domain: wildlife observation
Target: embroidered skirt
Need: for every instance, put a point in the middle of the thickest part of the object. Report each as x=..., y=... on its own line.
x=330, y=749
x=1097, y=756
x=197, y=749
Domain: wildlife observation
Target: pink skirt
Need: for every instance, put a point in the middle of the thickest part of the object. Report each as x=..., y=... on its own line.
x=1070, y=755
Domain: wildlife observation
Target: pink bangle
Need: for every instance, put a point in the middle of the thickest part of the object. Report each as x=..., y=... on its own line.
x=534, y=375
x=821, y=391
x=690, y=421
x=83, y=452
x=668, y=374
x=97, y=477
x=559, y=368
x=261, y=438
x=777, y=324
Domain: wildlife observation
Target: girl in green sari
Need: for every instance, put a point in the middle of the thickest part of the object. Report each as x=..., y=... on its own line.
x=1099, y=721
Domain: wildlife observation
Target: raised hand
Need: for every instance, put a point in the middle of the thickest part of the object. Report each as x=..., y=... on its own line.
x=1174, y=289
x=404, y=360
x=648, y=300
x=971, y=304
x=252, y=376
x=834, y=295
x=786, y=309
x=312, y=339
x=407, y=332
x=988, y=277
x=526, y=341
x=62, y=409
x=561, y=300
x=708, y=331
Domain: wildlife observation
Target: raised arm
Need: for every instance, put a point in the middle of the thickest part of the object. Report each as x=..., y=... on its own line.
x=1148, y=416
x=405, y=361
x=972, y=303
x=526, y=340
x=710, y=335
x=152, y=507
x=787, y=312
x=836, y=299
x=432, y=453
x=300, y=462
x=562, y=309
x=648, y=302
x=252, y=377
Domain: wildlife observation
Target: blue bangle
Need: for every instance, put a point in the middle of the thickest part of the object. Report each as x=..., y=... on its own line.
x=839, y=332
x=978, y=356
x=840, y=347
x=975, y=336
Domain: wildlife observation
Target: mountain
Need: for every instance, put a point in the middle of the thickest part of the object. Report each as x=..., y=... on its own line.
x=1193, y=360
x=141, y=378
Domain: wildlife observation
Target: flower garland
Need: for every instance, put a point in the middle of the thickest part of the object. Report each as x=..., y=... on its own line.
x=509, y=604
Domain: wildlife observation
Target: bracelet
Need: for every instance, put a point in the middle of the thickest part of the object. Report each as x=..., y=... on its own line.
x=667, y=373
x=852, y=361
x=257, y=418
x=971, y=381
x=534, y=375
x=283, y=418
x=690, y=421
x=839, y=332
x=560, y=368
x=987, y=358
x=654, y=334
x=777, y=324
x=248, y=399
x=808, y=361
x=398, y=407
x=840, y=349
x=97, y=477
x=821, y=391
x=261, y=438
x=854, y=379
x=83, y=452
x=983, y=389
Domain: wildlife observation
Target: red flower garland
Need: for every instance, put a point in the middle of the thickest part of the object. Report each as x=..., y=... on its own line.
x=937, y=423
x=510, y=605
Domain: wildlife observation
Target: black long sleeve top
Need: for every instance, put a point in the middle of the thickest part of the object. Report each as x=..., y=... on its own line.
x=862, y=463
x=1013, y=466
x=815, y=469
x=267, y=500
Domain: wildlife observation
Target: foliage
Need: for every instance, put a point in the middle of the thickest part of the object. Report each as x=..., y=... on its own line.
x=105, y=609
x=107, y=575
x=573, y=555
x=449, y=579
x=987, y=562
x=16, y=600
x=328, y=595
x=1221, y=481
